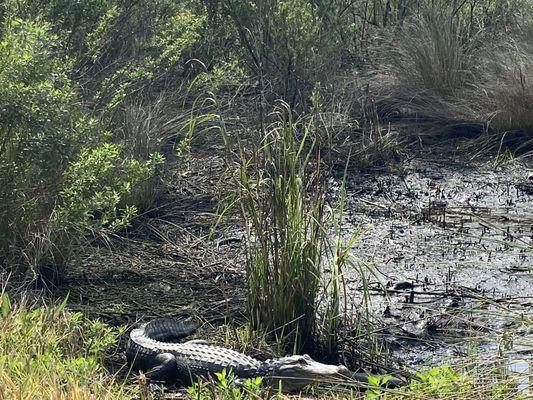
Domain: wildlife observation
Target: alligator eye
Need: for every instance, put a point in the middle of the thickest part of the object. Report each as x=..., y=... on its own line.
x=303, y=360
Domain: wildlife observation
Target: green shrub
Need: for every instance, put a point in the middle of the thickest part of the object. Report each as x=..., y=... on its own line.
x=154, y=57
x=41, y=127
x=119, y=48
x=59, y=180
x=95, y=191
x=72, y=20
x=286, y=45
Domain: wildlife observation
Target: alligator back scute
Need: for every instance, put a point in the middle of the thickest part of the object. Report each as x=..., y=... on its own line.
x=206, y=358
x=169, y=330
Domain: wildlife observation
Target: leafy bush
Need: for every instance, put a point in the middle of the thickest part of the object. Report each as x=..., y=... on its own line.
x=58, y=177
x=152, y=58
x=286, y=45
x=118, y=48
x=41, y=127
x=96, y=189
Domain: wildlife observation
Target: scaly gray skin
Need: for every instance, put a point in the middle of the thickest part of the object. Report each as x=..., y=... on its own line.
x=149, y=349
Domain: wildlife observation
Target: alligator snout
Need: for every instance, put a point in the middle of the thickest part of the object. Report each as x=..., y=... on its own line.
x=304, y=367
x=343, y=371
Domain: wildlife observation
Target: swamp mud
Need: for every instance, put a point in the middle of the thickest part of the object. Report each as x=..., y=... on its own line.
x=447, y=250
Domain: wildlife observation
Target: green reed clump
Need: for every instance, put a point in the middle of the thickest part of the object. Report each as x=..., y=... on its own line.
x=282, y=200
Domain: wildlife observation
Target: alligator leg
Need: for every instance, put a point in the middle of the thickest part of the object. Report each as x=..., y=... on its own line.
x=165, y=370
x=170, y=369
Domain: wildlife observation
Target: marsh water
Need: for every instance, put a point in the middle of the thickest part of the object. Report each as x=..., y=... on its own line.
x=448, y=253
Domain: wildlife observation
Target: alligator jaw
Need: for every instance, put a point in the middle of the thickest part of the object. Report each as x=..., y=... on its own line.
x=296, y=372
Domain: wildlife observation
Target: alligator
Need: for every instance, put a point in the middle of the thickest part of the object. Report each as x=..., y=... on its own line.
x=152, y=348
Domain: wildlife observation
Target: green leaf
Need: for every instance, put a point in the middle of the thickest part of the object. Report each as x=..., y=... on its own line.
x=374, y=380
x=385, y=379
x=5, y=307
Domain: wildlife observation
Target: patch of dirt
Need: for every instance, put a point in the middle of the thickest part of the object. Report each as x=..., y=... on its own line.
x=165, y=266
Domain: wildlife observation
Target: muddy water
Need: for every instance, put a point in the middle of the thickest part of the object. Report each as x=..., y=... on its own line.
x=448, y=254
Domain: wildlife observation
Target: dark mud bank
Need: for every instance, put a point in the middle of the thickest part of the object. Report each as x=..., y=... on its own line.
x=448, y=250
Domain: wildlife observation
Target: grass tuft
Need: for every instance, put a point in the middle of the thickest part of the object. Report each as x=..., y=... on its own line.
x=432, y=56
x=509, y=83
x=50, y=353
x=283, y=203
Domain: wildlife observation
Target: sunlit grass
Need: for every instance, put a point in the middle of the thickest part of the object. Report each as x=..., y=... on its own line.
x=47, y=352
x=440, y=383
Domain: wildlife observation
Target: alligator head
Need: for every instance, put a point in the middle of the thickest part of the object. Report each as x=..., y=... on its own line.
x=295, y=372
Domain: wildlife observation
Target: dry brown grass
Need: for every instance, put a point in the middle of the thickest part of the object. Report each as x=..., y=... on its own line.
x=442, y=81
x=509, y=86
